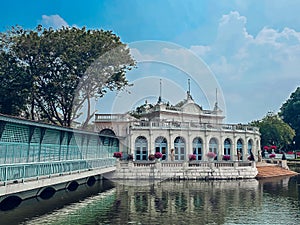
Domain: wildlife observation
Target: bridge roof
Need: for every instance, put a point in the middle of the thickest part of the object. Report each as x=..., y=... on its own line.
x=21, y=121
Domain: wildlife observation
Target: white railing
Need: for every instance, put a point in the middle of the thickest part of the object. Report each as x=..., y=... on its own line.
x=189, y=164
x=191, y=125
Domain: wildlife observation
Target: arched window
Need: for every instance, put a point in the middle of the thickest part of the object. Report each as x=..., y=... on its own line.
x=227, y=146
x=197, y=148
x=239, y=149
x=161, y=146
x=179, y=145
x=249, y=146
x=107, y=138
x=213, y=146
x=141, y=148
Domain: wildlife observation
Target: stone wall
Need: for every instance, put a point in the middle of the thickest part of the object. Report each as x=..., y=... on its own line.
x=184, y=170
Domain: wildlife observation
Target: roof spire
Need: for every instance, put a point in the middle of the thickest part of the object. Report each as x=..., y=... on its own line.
x=216, y=104
x=160, y=92
x=189, y=96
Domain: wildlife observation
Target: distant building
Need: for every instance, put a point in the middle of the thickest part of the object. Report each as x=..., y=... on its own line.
x=184, y=127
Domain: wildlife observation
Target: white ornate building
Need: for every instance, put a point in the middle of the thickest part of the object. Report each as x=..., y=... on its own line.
x=185, y=127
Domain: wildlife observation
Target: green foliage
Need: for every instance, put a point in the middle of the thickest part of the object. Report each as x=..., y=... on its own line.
x=68, y=67
x=290, y=113
x=274, y=131
x=15, y=85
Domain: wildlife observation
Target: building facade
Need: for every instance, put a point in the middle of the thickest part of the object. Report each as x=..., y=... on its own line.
x=184, y=127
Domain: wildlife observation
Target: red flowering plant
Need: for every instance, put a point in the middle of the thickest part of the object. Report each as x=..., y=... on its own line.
x=271, y=156
x=158, y=155
x=266, y=148
x=226, y=157
x=118, y=155
x=192, y=157
x=211, y=155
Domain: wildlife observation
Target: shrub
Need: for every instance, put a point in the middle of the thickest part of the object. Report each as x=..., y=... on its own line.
x=226, y=157
x=211, y=155
x=271, y=156
x=118, y=155
x=158, y=155
x=192, y=157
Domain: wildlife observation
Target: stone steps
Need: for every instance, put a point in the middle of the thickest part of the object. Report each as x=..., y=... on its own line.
x=265, y=171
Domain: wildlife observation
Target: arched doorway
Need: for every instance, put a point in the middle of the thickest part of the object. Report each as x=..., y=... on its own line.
x=161, y=146
x=213, y=147
x=239, y=149
x=179, y=147
x=250, y=144
x=141, y=148
x=227, y=146
x=109, y=140
x=197, y=148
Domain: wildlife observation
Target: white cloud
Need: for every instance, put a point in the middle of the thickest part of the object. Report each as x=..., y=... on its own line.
x=200, y=50
x=54, y=21
x=259, y=69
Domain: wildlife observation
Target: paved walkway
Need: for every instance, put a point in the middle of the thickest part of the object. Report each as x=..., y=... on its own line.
x=266, y=170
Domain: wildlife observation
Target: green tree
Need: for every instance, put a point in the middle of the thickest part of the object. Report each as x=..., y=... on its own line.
x=290, y=113
x=274, y=131
x=15, y=85
x=69, y=67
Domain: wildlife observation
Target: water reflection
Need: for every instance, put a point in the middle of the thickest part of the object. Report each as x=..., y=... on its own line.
x=36, y=207
x=269, y=201
x=185, y=202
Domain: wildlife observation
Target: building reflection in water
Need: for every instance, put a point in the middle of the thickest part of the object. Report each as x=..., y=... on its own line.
x=188, y=201
x=170, y=202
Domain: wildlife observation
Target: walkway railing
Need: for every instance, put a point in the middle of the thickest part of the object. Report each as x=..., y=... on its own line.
x=28, y=171
x=31, y=150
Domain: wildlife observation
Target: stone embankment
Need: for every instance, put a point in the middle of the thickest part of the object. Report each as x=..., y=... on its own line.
x=184, y=170
x=266, y=170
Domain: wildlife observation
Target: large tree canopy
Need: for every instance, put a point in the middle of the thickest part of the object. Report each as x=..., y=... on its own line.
x=15, y=85
x=274, y=131
x=290, y=113
x=68, y=67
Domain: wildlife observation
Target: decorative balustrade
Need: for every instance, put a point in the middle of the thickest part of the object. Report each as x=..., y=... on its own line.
x=191, y=125
x=161, y=170
x=180, y=164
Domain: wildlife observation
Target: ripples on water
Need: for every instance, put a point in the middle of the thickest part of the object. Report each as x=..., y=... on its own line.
x=271, y=201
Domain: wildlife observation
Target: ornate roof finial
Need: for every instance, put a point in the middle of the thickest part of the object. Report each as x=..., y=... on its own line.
x=216, y=108
x=160, y=92
x=189, y=96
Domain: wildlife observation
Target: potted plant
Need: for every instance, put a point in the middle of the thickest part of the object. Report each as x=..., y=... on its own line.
x=226, y=157
x=158, y=155
x=273, y=148
x=117, y=155
x=192, y=157
x=272, y=156
x=211, y=155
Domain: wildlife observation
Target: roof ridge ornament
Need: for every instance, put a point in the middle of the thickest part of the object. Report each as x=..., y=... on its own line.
x=189, y=96
x=159, y=101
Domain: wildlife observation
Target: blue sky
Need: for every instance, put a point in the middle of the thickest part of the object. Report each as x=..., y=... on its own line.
x=251, y=48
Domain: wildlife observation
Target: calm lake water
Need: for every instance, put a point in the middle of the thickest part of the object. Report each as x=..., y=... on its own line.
x=269, y=201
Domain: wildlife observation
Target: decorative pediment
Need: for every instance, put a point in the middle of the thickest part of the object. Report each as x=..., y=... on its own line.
x=192, y=108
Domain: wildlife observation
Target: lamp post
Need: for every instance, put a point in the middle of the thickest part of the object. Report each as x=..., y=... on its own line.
x=294, y=148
